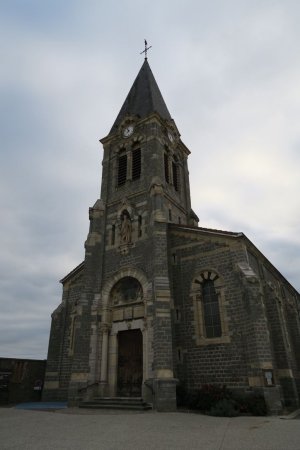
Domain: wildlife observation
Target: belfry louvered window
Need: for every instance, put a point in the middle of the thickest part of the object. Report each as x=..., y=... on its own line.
x=113, y=235
x=175, y=175
x=166, y=162
x=211, y=310
x=140, y=221
x=122, y=169
x=136, y=164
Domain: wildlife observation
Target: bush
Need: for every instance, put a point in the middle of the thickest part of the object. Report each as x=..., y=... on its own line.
x=208, y=396
x=224, y=408
x=257, y=405
x=219, y=401
x=251, y=403
x=181, y=395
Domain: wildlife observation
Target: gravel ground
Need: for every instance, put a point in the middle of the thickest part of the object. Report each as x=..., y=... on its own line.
x=76, y=429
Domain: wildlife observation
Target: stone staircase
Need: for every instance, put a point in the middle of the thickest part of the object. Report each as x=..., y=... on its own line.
x=120, y=403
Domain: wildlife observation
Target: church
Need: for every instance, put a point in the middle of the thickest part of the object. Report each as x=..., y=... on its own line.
x=158, y=300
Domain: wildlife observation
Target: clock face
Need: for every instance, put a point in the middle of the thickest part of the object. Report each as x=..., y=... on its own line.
x=128, y=130
x=170, y=136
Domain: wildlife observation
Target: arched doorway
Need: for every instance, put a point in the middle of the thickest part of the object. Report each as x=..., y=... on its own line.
x=130, y=363
x=126, y=341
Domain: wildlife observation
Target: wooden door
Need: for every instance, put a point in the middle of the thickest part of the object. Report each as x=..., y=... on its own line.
x=130, y=363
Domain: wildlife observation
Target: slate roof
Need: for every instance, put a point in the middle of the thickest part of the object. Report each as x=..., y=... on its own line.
x=143, y=99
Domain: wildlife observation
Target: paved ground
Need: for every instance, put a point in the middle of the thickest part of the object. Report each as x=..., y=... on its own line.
x=88, y=430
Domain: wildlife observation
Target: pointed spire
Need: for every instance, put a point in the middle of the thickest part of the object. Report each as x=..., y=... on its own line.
x=143, y=99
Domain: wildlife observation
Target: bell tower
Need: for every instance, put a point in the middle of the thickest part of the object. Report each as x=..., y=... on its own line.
x=145, y=159
x=145, y=186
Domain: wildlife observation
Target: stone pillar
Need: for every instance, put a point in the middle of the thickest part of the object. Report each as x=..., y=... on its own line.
x=104, y=357
x=282, y=345
x=257, y=340
x=165, y=394
x=164, y=384
x=112, y=363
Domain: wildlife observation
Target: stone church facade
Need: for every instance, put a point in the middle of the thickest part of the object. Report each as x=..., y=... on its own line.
x=159, y=300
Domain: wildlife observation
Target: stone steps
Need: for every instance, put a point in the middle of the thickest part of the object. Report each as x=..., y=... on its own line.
x=121, y=403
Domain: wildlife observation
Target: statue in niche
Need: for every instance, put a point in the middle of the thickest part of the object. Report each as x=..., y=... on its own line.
x=125, y=228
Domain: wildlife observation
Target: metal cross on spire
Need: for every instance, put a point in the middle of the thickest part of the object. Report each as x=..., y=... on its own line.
x=146, y=49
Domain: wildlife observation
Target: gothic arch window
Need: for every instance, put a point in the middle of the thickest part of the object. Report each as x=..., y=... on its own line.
x=208, y=294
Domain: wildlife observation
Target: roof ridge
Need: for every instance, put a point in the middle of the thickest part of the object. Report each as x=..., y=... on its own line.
x=210, y=230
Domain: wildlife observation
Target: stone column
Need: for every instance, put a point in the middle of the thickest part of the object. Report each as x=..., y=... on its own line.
x=112, y=363
x=104, y=357
x=164, y=384
x=257, y=339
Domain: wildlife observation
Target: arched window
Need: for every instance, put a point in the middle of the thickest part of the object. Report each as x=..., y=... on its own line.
x=136, y=164
x=211, y=310
x=126, y=290
x=113, y=234
x=122, y=169
x=175, y=172
x=129, y=165
x=166, y=163
x=140, y=221
x=211, y=322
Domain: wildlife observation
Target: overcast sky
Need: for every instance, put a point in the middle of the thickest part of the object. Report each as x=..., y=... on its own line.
x=229, y=72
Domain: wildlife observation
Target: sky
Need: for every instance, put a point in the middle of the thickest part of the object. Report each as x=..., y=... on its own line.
x=229, y=72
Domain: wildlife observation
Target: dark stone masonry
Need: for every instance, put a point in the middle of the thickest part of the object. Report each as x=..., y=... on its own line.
x=207, y=304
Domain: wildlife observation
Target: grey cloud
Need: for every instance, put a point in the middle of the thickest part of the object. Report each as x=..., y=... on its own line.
x=229, y=75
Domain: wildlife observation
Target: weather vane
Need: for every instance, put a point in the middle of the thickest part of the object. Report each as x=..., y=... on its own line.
x=146, y=49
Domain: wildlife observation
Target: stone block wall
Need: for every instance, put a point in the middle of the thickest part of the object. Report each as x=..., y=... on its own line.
x=60, y=353
x=21, y=380
x=260, y=333
x=198, y=360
